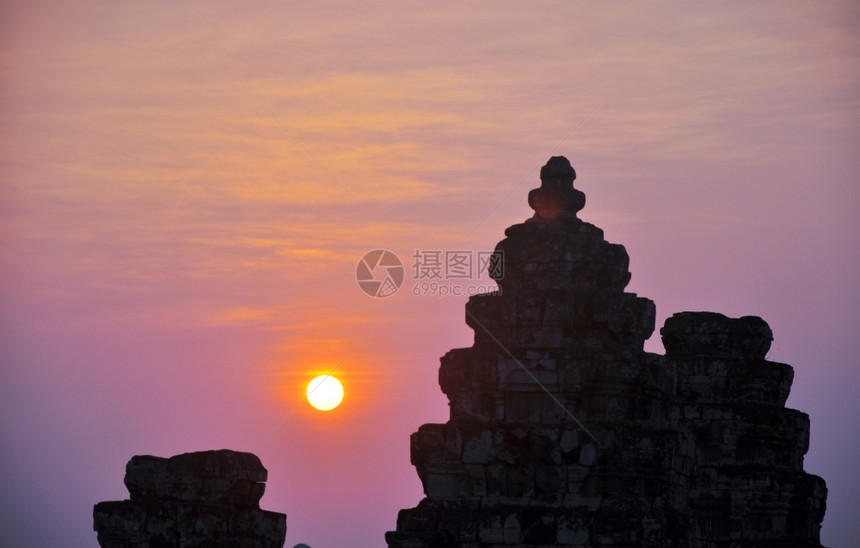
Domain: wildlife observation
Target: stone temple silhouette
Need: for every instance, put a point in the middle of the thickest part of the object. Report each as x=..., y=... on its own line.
x=563, y=431
x=205, y=499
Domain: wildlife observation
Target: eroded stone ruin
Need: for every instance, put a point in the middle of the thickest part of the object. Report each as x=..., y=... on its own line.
x=203, y=499
x=563, y=431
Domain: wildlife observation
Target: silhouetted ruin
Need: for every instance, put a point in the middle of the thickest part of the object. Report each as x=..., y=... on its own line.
x=203, y=499
x=563, y=431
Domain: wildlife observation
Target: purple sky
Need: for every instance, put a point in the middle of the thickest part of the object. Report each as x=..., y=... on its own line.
x=185, y=191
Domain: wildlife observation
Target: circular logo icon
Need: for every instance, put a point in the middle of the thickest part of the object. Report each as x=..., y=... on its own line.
x=379, y=273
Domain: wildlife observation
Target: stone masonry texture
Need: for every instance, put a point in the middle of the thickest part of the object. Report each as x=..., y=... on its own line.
x=563, y=431
x=193, y=500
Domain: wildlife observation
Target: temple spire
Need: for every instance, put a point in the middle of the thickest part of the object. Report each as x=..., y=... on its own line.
x=556, y=199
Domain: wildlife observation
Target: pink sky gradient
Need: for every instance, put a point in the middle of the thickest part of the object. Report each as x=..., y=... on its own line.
x=185, y=191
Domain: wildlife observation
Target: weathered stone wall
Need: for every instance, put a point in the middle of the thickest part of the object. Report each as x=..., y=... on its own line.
x=203, y=499
x=748, y=485
x=564, y=432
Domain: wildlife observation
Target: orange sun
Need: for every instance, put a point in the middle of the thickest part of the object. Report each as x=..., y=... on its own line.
x=324, y=392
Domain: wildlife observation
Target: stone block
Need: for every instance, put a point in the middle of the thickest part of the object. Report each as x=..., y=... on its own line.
x=713, y=334
x=212, y=476
x=208, y=498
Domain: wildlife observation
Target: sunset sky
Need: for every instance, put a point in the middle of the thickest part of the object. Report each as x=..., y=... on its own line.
x=186, y=189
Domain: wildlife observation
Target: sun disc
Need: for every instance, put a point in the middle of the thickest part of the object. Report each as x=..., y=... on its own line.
x=324, y=392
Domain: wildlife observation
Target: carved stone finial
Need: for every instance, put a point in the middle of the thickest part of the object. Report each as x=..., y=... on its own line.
x=558, y=167
x=556, y=199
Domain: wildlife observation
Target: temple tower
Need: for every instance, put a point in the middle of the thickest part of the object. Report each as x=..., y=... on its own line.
x=563, y=431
